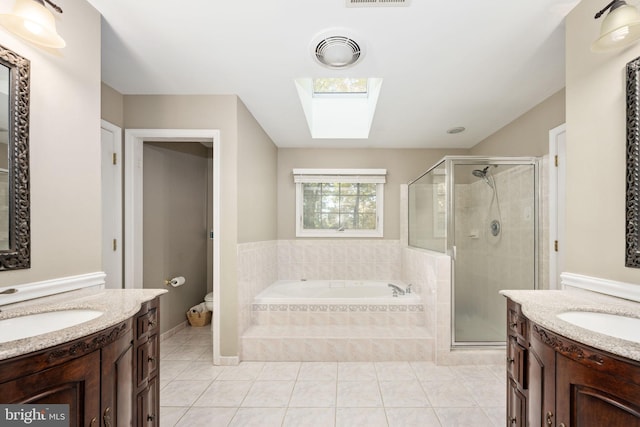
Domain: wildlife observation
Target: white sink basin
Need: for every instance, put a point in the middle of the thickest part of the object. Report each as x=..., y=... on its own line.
x=627, y=328
x=41, y=323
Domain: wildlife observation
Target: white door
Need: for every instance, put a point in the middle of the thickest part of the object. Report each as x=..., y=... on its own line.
x=557, y=241
x=111, y=143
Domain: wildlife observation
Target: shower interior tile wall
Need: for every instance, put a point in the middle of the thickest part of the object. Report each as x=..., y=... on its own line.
x=493, y=263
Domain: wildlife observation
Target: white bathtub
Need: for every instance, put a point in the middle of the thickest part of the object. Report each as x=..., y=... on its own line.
x=334, y=292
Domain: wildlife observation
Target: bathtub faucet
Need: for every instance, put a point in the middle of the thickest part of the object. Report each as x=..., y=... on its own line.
x=396, y=289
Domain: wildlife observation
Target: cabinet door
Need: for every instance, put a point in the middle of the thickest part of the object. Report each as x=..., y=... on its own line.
x=76, y=383
x=590, y=398
x=117, y=382
x=541, y=375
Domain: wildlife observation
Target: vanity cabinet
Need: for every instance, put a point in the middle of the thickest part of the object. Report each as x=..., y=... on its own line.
x=99, y=376
x=570, y=384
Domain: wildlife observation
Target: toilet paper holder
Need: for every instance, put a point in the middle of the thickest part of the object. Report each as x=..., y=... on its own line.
x=175, y=282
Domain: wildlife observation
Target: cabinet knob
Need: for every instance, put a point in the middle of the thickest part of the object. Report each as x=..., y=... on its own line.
x=549, y=418
x=150, y=417
x=152, y=323
x=510, y=360
x=561, y=425
x=151, y=359
x=93, y=422
x=513, y=420
x=513, y=325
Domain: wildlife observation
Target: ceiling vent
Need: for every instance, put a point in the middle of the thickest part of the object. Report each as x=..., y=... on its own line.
x=338, y=52
x=378, y=3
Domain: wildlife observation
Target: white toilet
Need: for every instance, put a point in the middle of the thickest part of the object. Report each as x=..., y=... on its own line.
x=208, y=301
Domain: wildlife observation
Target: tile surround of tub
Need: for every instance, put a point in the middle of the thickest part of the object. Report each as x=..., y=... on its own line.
x=339, y=259
x=294, y=334
x=257, y=269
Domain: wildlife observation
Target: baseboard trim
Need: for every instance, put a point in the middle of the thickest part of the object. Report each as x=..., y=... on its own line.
x=45, y=288
x=229, y=360
x=171, y=332
x=614, y=288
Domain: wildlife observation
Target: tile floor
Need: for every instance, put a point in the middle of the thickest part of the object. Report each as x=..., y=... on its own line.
x=193, y=392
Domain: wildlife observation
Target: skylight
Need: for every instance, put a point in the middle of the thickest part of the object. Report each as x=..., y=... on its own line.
x=339, y=108
x=332, y=85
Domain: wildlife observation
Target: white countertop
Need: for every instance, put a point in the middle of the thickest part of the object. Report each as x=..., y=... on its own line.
x=116, y=304
x=541, y=307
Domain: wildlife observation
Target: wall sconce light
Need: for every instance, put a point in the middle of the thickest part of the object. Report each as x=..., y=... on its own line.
x=620, y=28
x=31, y=20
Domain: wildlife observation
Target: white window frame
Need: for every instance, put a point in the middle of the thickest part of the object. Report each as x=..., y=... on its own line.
x=361, y=176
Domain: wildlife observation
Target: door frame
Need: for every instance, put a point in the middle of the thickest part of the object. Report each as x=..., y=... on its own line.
x=133, y=201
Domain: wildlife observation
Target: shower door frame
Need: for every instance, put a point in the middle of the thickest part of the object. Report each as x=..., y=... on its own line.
x=450, y=162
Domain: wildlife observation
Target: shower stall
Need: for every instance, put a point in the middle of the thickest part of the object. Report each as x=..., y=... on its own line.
x=483, y=212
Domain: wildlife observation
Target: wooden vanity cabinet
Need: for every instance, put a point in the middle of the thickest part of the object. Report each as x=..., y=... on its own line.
x=97, y=375
x=572, y=384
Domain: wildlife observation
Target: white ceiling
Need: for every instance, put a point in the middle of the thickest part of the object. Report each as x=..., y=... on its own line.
x=477, y=64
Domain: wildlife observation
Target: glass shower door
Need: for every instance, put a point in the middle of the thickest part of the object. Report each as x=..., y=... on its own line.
x=494, y=206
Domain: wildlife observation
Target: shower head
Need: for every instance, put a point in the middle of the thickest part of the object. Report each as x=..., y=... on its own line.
x=480, y=173
x=483, y=174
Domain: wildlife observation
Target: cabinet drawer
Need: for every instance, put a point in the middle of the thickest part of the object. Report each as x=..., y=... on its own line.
x=147, y=324
x=516, y=324
x=147, y=360
x=516, y=406
x=517, y=362
x=147, y=405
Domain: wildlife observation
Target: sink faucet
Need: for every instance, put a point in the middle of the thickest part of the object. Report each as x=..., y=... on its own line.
x=396, y=289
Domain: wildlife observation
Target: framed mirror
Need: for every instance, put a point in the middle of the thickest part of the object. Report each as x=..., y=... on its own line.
x=15, y=244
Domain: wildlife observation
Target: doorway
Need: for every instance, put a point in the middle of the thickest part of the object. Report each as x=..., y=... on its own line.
x=134, y=163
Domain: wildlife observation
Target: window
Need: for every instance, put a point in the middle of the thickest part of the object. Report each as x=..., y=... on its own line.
x=339, y=202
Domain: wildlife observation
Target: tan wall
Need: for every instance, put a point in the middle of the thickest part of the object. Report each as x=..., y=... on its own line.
x=64, y=137
x=403, y=165
x=111, y=105
x=248, y=178
x=174, y=225
x=257, y=186
x=204, y=112
x=528, y=135
x=596, y=129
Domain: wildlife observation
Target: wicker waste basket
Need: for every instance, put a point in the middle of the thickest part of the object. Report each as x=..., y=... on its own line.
x=199, y=319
